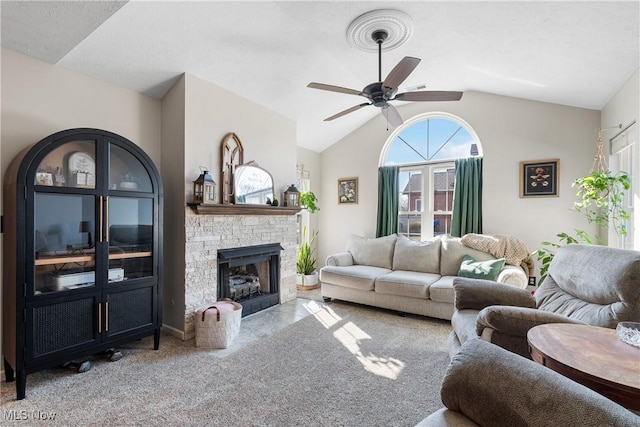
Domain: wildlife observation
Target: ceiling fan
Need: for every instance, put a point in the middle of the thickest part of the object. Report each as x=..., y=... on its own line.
x=381, y=92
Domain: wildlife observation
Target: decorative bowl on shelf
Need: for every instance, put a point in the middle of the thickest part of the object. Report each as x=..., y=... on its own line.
x=128, y=185
x=629, y=332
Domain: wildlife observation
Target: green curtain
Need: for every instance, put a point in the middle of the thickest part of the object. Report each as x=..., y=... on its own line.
x=388, y=200
x=467, y=197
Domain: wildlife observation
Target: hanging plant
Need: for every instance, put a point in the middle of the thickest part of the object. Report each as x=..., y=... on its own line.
x=308, y=201
x=601, y=197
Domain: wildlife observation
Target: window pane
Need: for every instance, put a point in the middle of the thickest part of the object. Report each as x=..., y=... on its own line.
x=428, y=147
x=431, y=139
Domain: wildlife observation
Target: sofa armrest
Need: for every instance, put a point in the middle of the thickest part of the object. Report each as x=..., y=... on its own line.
x=341, y=259
x=479, y=293
x=516, y=321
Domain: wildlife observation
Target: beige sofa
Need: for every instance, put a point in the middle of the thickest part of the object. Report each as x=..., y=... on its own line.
x=397, y=273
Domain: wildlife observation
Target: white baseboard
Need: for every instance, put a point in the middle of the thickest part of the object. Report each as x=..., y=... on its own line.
x=170, y=330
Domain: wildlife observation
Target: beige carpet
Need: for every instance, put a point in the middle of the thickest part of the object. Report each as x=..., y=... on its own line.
x=346, y=365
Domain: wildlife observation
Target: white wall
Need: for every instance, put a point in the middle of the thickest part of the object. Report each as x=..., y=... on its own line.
x=39, y=99
x=511, y=130
x=623, y=109
x=173, y=127
x=267, y=137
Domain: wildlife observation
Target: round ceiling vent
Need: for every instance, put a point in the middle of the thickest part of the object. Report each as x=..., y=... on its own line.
x=398, y=25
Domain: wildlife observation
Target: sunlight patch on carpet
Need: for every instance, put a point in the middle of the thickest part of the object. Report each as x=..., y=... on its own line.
x=351, y=336
x=325, y=315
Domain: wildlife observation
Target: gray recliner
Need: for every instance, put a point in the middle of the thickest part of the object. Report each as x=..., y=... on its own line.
x=588, y=284
x=488, y=386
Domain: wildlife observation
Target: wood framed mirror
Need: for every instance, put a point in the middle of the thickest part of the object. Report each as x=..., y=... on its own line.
x=252, y=185
x=231, y=156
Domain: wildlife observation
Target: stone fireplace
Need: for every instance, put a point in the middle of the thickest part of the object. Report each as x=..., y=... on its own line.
x=228, y=228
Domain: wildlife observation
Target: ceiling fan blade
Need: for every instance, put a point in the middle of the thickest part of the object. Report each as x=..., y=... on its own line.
x=429, y=95
x=347, y=111
x=391, y=114
x=332, y=88
x=400, y=72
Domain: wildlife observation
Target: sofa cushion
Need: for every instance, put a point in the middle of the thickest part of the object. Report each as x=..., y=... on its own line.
x=487, y=270
x=410, y=255
x=376, y=252
x=406, y=283
x=451, y=253
x=355, y=276
x=442, y=290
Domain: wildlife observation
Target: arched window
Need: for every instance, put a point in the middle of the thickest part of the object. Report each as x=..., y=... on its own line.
x=426, y=148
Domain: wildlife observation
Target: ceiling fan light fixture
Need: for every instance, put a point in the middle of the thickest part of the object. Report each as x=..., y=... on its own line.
x=397, y=25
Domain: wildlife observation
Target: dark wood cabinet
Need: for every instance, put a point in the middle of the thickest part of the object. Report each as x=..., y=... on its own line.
x=82, y=250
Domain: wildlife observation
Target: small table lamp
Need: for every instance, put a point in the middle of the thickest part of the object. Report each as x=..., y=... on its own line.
x=87, y=227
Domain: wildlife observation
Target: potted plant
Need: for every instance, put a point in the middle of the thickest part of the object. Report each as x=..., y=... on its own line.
x=308, y=201
x=307, y=275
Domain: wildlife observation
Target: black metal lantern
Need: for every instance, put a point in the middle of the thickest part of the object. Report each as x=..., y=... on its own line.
x=292, y=197
x=204, y=189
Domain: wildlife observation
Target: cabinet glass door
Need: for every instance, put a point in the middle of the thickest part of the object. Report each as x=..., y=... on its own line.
x=126, y=173
x=73, y=164
x=130, y=238
x=64, y=242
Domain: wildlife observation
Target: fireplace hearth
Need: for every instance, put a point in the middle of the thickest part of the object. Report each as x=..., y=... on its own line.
x=250, y=275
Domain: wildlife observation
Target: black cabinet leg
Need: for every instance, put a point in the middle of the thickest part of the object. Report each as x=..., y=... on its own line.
x=21, y=383
x=326, y=299
x=8, y=371
x=156, y=339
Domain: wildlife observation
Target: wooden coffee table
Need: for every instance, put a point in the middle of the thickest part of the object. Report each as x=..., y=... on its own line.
x=591, y=356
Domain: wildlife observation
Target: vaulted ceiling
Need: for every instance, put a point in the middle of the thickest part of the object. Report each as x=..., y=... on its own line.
x=564, y=52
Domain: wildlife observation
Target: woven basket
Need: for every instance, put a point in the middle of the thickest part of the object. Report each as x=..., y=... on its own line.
x=218, y=324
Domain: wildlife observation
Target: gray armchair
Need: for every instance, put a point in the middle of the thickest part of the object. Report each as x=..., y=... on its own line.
x=488, y=386
x=595, y=285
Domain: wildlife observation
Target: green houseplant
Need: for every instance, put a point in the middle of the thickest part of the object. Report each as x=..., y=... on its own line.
x=307, y=275
x=601, y=197
x=308, y=201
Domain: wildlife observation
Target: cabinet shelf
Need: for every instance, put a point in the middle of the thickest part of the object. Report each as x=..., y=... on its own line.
x=61, y=259
x=130, y=255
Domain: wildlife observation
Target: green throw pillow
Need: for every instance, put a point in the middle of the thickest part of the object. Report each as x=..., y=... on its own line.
x=487, y=270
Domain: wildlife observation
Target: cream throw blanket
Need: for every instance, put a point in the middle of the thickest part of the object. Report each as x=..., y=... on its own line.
x=513, y=250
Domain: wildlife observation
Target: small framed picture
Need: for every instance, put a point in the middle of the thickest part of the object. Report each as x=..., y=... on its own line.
x=348, y=191
x=44, y=178
x=539, y=178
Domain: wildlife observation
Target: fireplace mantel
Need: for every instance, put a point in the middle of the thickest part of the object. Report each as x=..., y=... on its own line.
x=243, y=210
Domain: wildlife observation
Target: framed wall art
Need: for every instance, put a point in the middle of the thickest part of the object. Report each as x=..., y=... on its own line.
x=348, y=191
x=539, y=178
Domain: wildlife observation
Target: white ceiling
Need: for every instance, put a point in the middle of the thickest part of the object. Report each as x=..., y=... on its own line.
x=565, y=52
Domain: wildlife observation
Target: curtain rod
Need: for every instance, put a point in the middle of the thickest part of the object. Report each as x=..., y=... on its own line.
x=622, y=131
